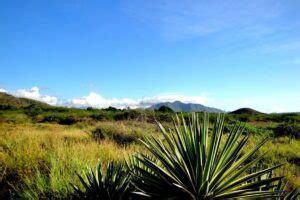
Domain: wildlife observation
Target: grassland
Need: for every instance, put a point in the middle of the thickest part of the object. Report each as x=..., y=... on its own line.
x=42, y=149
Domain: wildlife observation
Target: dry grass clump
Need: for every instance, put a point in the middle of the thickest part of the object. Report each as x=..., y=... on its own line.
x=46, y=157
x=123, y=132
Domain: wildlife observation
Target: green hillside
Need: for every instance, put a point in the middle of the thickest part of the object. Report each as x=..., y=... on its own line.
x=8, y=101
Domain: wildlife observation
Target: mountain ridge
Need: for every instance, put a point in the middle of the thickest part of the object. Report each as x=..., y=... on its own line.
x=179, y=106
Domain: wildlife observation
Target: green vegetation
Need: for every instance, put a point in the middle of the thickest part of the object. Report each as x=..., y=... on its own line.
x=43, y=148
x=165, y=109
x=114, y=185
x=187, y=164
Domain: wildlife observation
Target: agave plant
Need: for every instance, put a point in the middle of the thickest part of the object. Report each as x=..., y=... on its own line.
x=113, y=185
x=190, y=163
x=280, y=186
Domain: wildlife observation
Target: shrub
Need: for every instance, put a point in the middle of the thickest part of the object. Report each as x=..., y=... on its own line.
x=99, y=117
x=163, y=116
x=288, y=129
x=113, y=134
x=60, y=119
x=129, y=115
x=7, y=107
x=110, y=108
x=90, y=109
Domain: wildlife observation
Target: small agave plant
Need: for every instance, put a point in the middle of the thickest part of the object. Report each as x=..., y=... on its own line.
x=191, y=163
x=113, y=185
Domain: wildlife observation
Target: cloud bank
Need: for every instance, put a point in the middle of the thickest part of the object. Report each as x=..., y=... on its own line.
x=268, y=104
x=98, y=101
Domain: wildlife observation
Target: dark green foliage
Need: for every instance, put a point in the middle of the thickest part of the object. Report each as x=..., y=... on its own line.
x=279, y=187
x=7, y=107
x=113, y=185
x=165, y=109
x=90, y=109
x=111, y=109
x=163, y=116
x=33, y=110
x=287, y=129
x=247, y=111
x=99, y=117
x=119, y=137
x=60, y=119
x=185, y=164
x=129, y=115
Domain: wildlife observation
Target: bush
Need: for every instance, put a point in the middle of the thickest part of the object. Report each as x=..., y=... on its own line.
x=99, y=117
x=110, y=108
x=120, y=134
x=288, y=129
x=60, y=119
x=163, y=116
x=129, y=115
x=7, y=107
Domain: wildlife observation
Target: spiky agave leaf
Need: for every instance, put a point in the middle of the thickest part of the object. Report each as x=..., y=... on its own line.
x=113, y=185
x=188, y=164
x=280, y=186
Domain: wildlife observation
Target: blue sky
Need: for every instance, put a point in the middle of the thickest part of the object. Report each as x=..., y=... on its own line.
x=227, y=54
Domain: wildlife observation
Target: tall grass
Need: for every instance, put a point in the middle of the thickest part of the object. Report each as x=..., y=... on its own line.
x=43, y=159
x=40, y=160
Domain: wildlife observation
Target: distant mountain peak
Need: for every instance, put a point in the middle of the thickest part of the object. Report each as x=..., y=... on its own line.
x=179, y=106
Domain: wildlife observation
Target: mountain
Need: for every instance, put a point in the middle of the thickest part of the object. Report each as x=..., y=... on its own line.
x=8, y=101
x=248, y=111
x=178, y=106
x=165, y=109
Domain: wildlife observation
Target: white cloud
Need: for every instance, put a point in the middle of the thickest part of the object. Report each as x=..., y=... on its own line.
x=34, y=93
x=96, y=100
x=268, y=104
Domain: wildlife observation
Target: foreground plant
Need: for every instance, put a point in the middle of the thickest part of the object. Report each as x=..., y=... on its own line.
x=188, y=164
x=280, y=186
x=113, y=185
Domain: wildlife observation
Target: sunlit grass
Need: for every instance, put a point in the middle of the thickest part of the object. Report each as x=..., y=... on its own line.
x=42, y=159
x=50, y=155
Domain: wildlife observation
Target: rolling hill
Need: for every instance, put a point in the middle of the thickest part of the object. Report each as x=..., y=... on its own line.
x=178, y=106
x=9, y=102
x=248, y=111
